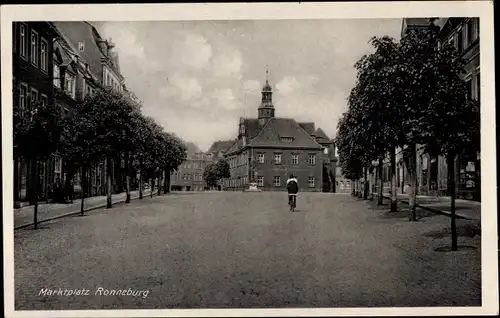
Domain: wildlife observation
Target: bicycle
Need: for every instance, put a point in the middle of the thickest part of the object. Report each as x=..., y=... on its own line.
x=292, y=202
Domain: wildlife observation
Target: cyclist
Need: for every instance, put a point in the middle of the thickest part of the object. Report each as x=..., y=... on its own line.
x=292, y=186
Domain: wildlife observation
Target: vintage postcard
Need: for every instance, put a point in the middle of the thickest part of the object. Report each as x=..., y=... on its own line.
x=291, y=159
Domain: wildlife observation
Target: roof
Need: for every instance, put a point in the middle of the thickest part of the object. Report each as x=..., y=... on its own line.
x=283, y=133
x=75, y=32
x=308, y=127
x=221, y=146
x=81, y=31
x=321, y=137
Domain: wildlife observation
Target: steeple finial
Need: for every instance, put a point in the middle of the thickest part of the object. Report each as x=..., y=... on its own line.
x=267, y=74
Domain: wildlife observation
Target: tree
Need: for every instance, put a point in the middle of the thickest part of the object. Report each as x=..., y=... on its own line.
x=371, y=98
x=452, y=119
x=37, y=133
x=174, y=155
x=214, y=172
x=78, y=147
x=415, y=87
x=113, y=114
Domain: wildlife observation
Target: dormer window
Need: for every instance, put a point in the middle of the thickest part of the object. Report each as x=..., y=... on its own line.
x=286, y=139
x=325, y=151
x=81, y=46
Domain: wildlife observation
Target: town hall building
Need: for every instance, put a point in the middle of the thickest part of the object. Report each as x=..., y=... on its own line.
x=268, y=149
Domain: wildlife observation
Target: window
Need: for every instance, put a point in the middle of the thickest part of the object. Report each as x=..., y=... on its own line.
x=89, y=90
x=312, y=160
x=276, y=181
x=260, y=181
x=260, y=158
x=57, y=76
x=23, y=91
x=22, y=40
x=57, y=168
x=44, y=52
x=325, y=151
x=69, y=84
x=81, y=46
x=34, y=48
x=34, y=96
x=277, y=158
x=44, y=100
x=295, y=159
x=310, y=182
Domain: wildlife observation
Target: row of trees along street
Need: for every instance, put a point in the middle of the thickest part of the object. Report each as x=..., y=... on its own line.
x=408, y=93
x=109, y=126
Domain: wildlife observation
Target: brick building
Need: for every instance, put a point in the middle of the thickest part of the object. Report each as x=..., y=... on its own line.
x=269, y=148
x=32, y=82
x=432, y=171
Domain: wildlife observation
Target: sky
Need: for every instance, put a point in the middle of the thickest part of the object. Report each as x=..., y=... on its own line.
x=197, y=78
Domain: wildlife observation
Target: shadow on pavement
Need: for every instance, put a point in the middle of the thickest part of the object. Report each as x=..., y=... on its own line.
x=464, y=229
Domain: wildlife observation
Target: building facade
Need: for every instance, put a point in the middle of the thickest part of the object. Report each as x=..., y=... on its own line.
x=32, y=82
x=92, y=64
x=62, y=63
x=432, y=170
x=189, y=175
x=268, y=149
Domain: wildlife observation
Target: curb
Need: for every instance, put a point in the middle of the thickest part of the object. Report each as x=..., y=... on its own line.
x=100, y=206
x=441, y=212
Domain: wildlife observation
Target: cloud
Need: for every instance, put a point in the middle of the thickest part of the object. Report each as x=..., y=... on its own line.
x=227, y=63
x=193, y=52
x=291, y=84
x=252, y=87
x=181, y=87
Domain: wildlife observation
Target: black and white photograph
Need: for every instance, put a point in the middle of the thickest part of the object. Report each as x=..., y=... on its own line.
x=295, y=159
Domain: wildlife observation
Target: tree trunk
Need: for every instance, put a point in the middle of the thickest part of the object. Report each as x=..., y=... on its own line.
x=411, y=166
x=127, y=177
x=84, y=187
x=166, y=181
x=366, y=185
x=34, y=178
x=141, y=179
x=152, y=186
x=381, y=181
x=109, y=185
x=394, y=189
x=450, y=158
x=159, y=184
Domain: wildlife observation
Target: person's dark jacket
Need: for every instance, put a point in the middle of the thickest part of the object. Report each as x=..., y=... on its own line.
x=292, y=186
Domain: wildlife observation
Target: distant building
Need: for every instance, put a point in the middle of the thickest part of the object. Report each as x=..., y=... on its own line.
x=189, y=175
x=219, y=148
x=269, y=148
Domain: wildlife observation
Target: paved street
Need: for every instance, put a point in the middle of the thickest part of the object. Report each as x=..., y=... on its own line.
x=234, y=249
